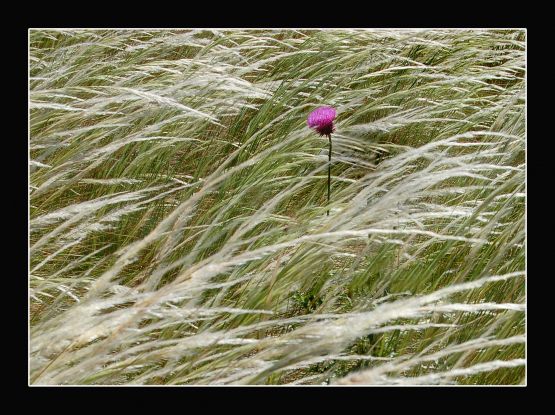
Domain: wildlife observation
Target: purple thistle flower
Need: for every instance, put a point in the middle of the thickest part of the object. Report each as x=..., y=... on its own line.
x=321, y=119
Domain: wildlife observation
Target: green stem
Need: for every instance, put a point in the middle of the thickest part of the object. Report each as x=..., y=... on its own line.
x=329, y=174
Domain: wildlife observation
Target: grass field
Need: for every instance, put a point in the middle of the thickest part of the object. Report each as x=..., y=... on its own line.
x=178, y=227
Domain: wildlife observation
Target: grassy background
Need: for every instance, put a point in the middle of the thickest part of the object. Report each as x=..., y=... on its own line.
x=178, y=207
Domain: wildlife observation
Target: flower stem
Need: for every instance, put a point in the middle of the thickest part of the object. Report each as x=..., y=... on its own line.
x=329, y=174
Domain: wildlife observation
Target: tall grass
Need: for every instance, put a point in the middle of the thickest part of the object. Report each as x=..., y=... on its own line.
x=178, y=207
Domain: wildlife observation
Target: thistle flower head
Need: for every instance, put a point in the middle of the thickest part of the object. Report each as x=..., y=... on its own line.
x=321, y=119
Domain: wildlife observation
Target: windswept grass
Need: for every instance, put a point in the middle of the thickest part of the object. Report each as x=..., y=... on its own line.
x=178, y=207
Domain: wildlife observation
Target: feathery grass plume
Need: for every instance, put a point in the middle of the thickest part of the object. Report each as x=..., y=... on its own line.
x=321, y=119
x=176, y=229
